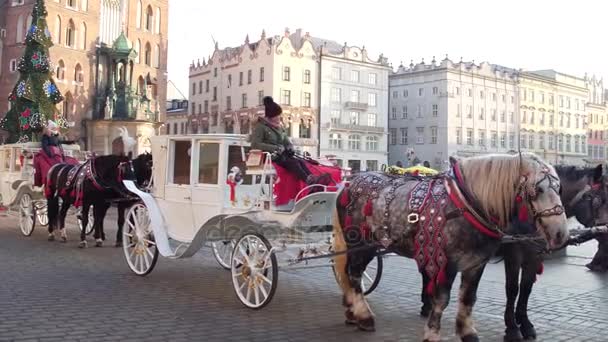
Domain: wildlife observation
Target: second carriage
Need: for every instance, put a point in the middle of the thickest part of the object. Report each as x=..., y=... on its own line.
x=198, y=198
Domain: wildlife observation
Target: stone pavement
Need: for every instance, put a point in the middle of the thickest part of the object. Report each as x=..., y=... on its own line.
x=57, y=292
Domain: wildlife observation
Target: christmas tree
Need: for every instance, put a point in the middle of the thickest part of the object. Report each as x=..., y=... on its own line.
x=35, y=96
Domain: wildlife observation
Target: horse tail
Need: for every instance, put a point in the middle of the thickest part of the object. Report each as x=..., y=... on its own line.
x=339, y=244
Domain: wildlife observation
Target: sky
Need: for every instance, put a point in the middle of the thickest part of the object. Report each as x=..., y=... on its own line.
x=568, y=36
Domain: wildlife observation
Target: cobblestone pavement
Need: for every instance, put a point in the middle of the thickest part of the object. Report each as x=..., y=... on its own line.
x=57, y=292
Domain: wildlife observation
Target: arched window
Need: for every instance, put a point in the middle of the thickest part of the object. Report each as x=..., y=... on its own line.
x=141, y=84
x=70, y=34
x=71, y=3
x=147, y=54
x=68, y=104
x=157, y=21
x=20, y=24
x=137, y=48
x=78, y=76
x=138, y=15
x=60, y=70
x=304, y=129
x=57, y=32
x=156, y=63
x=83, y=36
x=149, y=19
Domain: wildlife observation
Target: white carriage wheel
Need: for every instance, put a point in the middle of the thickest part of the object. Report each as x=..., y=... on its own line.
x=27, y=215
x=222, y=251
x=42, y=214
x=139, y=245
x=89, y=223
x=255, y=271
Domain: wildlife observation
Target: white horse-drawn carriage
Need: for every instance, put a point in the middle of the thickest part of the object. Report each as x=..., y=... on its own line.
x=196, y=201
x=17, y=190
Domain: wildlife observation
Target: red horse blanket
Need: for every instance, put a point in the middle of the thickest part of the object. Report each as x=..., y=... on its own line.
x=288, y=185
x=43, y=163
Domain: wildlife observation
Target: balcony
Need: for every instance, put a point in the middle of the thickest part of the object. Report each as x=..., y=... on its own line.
x=356, y=105
x=353, y=128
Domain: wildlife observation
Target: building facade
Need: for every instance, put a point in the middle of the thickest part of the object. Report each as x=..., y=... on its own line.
x=552, y=116
x=177, y=120
x=226, y=92
x=445, y=108
x=110, y=64
x=353, y=107
x=597, y=118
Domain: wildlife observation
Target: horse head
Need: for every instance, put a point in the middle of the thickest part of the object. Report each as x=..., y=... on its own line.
x=585, y=194
x=519, y=189
x=142, y=168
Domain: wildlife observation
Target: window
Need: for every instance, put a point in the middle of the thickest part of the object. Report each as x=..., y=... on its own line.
x=550, y=141
x=372, y=78
x=249, y=76
x=550, y=119
x=286, y=98
x=504, y=98
x=561, y=101
x=524, y=92
x=13, y=67
x=459, y=136
x=470, y=92
x=336, y=94
x=531, y=95
x=481, y=114
x=138, y=15
x=394, y=113
x=83, y=36
x=458, y=110
x=214, y=72
x=457, y=90
x=541, y=141
x=433, y=134
x=481, y=94
x=435, y=90
x=354, y=142
x=419, y=111
x=482, y=138
x=561, y=120
x=57, y=31
x=523, y=139
x=406, y=93
x=262, y=74
x=560, y=142
x=70, y=34
x=371, y=119
x=531, y=140
x=403, y=136
x=354, y=118
x=335, y=116
x=355, y=165
x=502, y=116
x=419, y=135
x=200, y=87
x=392, y=134
x=60, y=71
x=244, y=100
x=228, y=103
x=148, y=54
x=371, y=165
x=193, y=110
x=206, y=106
x=493, y=96
x=157, y=21
x=512, y=140
x=435, y=110
x=578, y=123
x=568, y=121
x=149, y=19
x=470, y=136
x=542, y=97
x=469, y=112
x=568, y=102
x=200, y=108
x=335, y=141
x=304, y=129
x=206, y=86
x=493, y=117
x=71, y=3
x=420, y=91
x=260, y=97
x=336, y=73
x=404, y=112
x=541, y=119
x=208, y=167
x=371, y=144
x=371, y=99
x=229, y=82
x=532, y=118
x=568, y=143
x=307, y=76
x=494, y=139
x=78, y=75
x=354, y=96
x=524, y=117
x=240, y=79
x=395, y=94
x=180, y=173
x=307, y=100
x=354, y=76
x=503, y=140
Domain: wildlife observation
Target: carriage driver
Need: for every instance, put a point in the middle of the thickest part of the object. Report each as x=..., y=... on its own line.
x=270, y=136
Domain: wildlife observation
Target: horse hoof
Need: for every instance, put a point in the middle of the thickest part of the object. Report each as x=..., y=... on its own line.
x=51, y=237
x=512, y=335
x=528, y=331
x=98, y=243
x=425, y=312
x=350, y=318
x=82, y=244
x=470, y=338
x=367, y=324
x=118, y=244
x=64, y=239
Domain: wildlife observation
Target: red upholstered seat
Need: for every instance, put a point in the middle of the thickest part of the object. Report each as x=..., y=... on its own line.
x=287, y=186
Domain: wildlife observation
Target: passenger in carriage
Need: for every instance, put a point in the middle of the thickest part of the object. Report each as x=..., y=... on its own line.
x=270, y=136
x=51, y=154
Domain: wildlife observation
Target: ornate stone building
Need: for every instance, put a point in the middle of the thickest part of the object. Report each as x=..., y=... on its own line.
x=110, y=64
x=597, y=117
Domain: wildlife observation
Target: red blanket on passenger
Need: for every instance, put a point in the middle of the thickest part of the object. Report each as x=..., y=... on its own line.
x=43, y=163
x=287, y=186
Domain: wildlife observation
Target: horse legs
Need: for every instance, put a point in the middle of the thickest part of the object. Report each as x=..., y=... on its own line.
x=425, y=298
x=52, y=205
x=465, y=328
x=528, y=277
x=512, y=260
x=99, y=212
x=440, y=298
x=84, y=221
x=121, y=222
x=62, y=214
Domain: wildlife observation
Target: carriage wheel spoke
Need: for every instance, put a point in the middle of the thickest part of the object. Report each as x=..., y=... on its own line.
x=149, y=252
x=244, y=254
x=366, y=276
x=131, y=245
x=242, y=286
x=256, y=292
x=248, y=290
x=150, y=242
x=265, y=279
x=146, y=261
x=263, y=290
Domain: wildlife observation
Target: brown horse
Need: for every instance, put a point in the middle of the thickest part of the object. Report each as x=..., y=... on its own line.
x=449, y=223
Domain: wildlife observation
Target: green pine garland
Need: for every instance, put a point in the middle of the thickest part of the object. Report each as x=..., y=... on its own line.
x=35, y=96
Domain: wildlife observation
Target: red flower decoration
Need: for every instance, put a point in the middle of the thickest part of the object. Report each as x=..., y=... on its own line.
x=26, y=126
x=35, y=56
x=26, y=113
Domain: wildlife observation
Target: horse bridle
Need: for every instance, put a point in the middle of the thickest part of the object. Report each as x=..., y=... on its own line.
x=531, y=194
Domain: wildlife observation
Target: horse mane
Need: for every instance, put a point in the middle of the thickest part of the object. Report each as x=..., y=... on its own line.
x=493, y=180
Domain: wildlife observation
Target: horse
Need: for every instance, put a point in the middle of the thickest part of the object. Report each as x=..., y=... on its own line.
x=449, y=223
x=93, y=183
